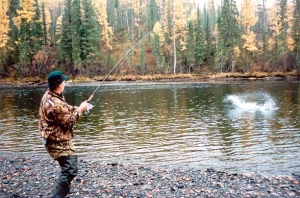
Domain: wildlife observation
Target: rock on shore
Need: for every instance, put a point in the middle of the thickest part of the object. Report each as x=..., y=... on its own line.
x=35, y=176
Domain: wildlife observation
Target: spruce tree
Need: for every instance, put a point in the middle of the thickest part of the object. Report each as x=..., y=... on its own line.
x=13, y=54
x=200, y=43
x=65, y=44
x=90, y=32
x=229, y=35
x=282, y=37
x=296, y=33
x=76, y=29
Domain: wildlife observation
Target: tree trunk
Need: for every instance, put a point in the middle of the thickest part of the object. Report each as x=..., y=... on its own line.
x=174, y=42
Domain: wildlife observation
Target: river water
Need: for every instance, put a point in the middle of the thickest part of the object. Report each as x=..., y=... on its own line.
x=239, y=126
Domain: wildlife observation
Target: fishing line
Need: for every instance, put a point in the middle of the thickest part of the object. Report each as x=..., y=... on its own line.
x=126, y=54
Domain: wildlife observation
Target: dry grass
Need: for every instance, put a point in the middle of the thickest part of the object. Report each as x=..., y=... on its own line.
x=153, y=78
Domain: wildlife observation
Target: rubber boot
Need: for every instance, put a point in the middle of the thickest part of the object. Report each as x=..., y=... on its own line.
x=60, y=190
x=69, y=170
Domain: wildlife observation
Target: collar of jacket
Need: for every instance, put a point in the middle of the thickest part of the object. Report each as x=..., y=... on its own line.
x=60, y=96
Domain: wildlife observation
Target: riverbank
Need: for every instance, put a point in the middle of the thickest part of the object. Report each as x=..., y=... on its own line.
x=35, y=176
x=36, y=81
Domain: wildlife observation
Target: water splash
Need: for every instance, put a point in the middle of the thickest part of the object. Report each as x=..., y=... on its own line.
x=252, y=102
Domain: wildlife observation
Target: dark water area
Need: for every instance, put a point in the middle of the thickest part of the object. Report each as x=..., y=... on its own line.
x=236, y=127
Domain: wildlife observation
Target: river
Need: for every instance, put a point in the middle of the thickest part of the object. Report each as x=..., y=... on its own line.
x=237, y=126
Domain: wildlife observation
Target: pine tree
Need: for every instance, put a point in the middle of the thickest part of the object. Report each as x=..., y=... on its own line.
x=229, y=35
x=200, y=40
x=151, y=15
x=190, y=54
x=89, y=29
x=65, y=43
x=208, y=37
x=13, y=53
x=296, y=33
x=282, y=36
x=76, y=29
x=28, y=23
x=37, y=32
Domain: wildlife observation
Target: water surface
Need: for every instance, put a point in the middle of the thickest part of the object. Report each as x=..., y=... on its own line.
x=236, y=126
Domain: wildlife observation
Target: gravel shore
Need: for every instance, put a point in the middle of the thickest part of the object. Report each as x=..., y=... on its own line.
x=35, y=176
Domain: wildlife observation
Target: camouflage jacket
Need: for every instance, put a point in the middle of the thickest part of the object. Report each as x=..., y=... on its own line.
x=57, y=117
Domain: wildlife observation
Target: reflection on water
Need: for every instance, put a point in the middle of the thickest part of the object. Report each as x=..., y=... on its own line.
x=243, y=126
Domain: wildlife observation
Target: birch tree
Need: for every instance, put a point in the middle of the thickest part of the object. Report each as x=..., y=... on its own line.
x=179, y=31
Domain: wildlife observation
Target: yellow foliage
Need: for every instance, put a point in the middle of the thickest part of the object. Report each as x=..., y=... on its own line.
x=271, y=43
x=27, y=12
x=248, y=17
x=237, y=51
x=4, y=23
x=157, y=29
x=107, y=32
x=249, y=41
x=193, y=15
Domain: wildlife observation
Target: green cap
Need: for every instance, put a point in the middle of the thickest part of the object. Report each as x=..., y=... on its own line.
x=55, y=78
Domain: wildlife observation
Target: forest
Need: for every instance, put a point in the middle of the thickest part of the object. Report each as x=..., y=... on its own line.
x=88, y=37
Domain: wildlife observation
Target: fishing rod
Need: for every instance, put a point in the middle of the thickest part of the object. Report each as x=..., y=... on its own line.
x=126, y=54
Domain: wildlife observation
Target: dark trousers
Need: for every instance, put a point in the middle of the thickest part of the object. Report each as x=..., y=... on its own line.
x=69, y=170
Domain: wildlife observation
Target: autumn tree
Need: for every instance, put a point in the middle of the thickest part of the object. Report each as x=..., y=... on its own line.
x=248, y=20
x=106, y=30
x=179, y=31
x=28, y=23
x=4, y=30
x=55, y=12
x=4, y=24
x=157, y=43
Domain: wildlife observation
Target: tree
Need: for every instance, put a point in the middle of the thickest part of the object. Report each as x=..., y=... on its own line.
x=4, y=24
x=65, y=44
x=76, y=29
x=200, y=40
x=229, y=35
x=28, y=23
x=296, y=33
x=106, y=33
x=151, y=15
x=157, y=43
x=89, y=29
x=248, y=20
x=190, y=52
x=4, y=30
x=179, y=30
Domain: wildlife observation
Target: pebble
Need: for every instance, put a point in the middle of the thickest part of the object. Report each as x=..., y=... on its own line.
x=35, y=176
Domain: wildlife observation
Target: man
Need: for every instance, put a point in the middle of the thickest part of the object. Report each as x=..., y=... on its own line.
x=56, y=121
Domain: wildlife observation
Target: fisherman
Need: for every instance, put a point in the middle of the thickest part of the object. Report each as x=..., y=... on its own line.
x=56, y=121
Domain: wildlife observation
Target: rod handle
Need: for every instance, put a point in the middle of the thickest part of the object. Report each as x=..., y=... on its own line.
x=90, y=98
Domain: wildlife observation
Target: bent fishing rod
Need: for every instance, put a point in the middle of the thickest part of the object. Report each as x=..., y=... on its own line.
x=126, y=54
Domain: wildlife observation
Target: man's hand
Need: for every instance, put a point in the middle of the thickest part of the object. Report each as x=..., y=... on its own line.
x=83, y=106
